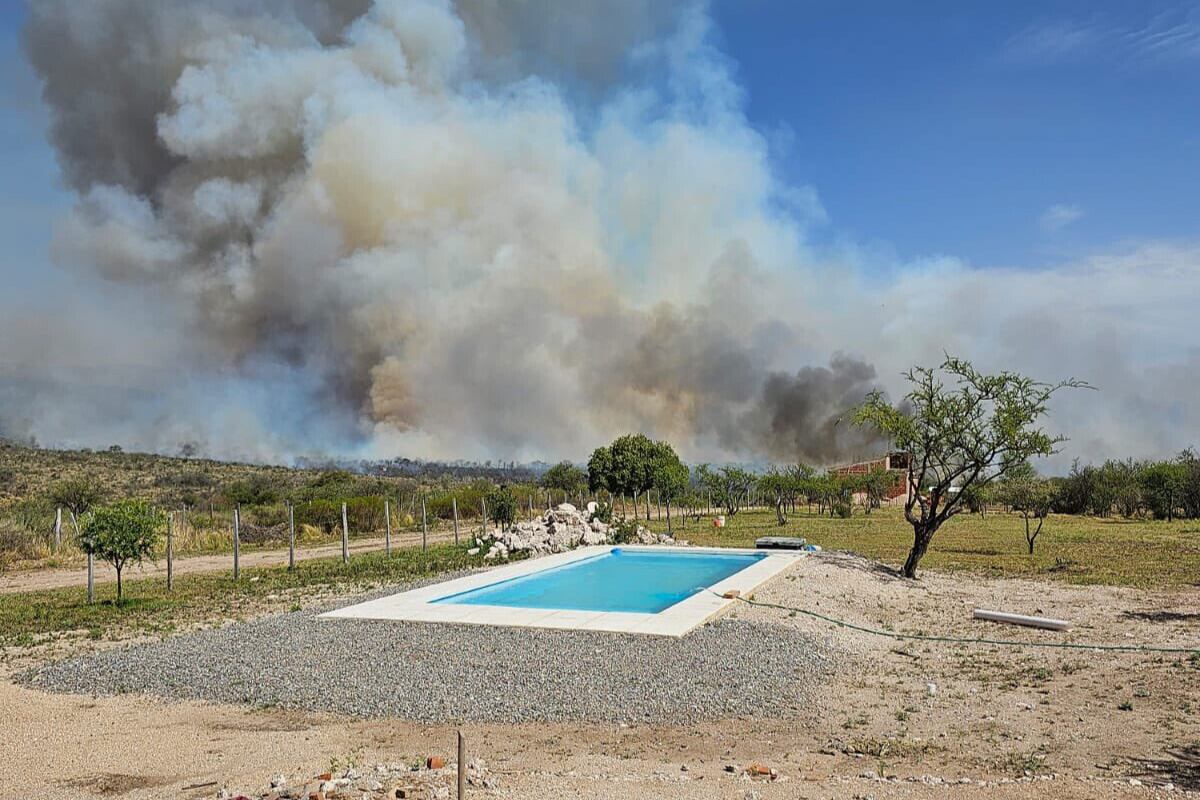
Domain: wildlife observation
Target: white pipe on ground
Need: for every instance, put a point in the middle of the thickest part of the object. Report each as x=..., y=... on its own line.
x=1023, y=619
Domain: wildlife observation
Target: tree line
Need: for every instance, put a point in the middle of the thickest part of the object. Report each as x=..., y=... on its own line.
x=970, y=439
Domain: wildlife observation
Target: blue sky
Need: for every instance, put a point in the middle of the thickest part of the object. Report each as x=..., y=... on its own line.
x=953, y=128
x=1013, y=134
x=30, y=194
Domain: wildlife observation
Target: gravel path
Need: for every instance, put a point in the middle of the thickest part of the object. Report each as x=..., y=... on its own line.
x=446, y=673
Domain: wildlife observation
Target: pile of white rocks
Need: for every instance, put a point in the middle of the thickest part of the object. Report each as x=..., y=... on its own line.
x=558, y=530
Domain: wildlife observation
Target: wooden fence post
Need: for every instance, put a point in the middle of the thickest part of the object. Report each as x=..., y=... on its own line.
x=237, y=535
x=424, y=524
x=170, y=550
x=387, y=531
x=345, y=537
x=454, y=503
x=57, y=528
x=291, y=536
x=462, y=767
x=483, y=505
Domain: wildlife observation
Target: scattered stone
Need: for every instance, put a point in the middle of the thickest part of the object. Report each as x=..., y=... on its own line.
x=428, y=782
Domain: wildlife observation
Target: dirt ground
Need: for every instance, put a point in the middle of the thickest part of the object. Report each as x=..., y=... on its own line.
x=38, y=579
x=899, y=720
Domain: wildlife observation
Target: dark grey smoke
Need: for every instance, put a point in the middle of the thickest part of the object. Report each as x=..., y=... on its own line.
x=515, y=227
x=806, y=415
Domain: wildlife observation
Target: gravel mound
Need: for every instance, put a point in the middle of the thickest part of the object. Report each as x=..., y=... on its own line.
x=446, y=673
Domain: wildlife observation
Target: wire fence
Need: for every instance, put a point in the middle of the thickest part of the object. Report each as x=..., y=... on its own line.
x=367, y=524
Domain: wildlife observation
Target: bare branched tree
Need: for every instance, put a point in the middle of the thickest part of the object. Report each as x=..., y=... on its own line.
x=960, y=436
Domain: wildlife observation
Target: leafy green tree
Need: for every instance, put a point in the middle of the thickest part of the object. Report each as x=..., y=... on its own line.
x=781, y=486
x=976, y=498
x=669, y=477
x=1191, y=483
x=565, y=477
x=841, y=489
x=633, y=464
x=1077, y=489
x=502, y=506
x=875, y=484
x=833, y=492
x=967, y=434
x=120, y=533
x=729, y=487
x=634, y=457
x=600, y=471
x=1164, y=485
x=1120, y=483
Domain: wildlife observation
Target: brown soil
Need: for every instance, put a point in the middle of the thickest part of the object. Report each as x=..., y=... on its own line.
x=1024, y=722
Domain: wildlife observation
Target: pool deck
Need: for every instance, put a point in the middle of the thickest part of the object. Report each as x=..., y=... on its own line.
x=417, y=605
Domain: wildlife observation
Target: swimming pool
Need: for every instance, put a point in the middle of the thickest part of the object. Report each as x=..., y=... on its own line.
x=652, y=590
x=620, y=580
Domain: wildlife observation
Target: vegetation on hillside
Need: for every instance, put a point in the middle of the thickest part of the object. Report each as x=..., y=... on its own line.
x=968, y=444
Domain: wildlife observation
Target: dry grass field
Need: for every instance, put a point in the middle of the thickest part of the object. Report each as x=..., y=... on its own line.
x=1074, y=549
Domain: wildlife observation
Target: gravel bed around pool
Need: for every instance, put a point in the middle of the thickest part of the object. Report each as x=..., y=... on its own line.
x=443, y=673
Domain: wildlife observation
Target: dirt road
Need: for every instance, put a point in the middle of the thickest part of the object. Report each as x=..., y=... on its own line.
x=33, y=580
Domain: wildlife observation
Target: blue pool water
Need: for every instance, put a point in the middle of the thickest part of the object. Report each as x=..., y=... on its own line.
x=619, y=580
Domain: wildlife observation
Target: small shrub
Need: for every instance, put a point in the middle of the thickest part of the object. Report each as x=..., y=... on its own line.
x=33, y=514
x=604, y=513
x=502, y=506
x=624, y=532
x=257, y=491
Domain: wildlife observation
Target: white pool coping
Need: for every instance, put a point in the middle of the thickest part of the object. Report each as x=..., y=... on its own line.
x=416, y=605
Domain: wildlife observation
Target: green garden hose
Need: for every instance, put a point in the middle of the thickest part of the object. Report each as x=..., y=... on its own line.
x=1116, y=648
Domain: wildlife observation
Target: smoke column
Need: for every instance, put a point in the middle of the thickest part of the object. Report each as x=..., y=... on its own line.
x=505, y=229
x=442, y=229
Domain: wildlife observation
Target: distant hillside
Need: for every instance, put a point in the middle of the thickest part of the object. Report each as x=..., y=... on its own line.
x=30, y=472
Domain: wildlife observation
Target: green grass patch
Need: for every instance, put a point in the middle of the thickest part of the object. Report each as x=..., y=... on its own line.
x=149, y=608
x=1073, y=549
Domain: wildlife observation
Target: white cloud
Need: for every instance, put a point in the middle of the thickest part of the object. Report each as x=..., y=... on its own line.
x=1169, y=36
x=1059, y=216
x=1053, y=41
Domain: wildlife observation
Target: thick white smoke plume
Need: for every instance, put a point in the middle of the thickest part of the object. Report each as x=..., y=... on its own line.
x=505, y=228
x=423, y=210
